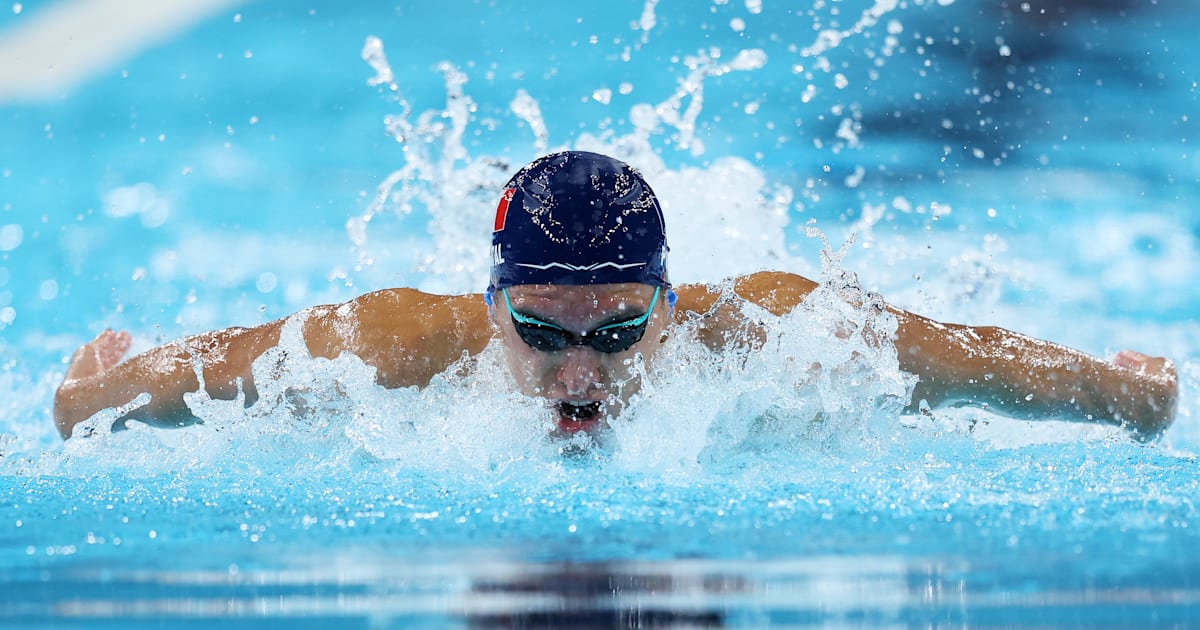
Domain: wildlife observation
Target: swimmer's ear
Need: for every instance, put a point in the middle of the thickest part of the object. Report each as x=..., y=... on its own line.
x=487, y=299
x=672, y=298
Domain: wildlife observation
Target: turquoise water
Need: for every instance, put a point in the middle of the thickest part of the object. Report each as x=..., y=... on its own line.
x=1027, y=167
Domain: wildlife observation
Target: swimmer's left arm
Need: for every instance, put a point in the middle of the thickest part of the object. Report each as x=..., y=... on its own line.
x=1005, y=371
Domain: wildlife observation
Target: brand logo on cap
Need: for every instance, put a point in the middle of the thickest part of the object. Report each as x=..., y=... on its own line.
x=502, y=209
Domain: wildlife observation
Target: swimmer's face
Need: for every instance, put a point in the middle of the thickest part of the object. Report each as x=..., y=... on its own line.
x=583, y=385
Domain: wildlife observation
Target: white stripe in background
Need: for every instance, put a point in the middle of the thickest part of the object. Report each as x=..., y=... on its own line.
x=50, y=53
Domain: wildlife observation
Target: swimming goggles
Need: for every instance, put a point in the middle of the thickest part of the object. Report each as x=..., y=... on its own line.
x=609, y=338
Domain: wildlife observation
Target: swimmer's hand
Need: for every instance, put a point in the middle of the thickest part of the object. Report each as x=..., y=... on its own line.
x=1161, y=374
x=98, y=355
x=89, y=364
x=99, y=378
x=1159, y=367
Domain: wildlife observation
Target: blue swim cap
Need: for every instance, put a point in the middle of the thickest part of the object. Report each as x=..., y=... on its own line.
x=578, y=218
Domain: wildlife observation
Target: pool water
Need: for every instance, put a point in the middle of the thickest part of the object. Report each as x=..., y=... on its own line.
x=1029, y=165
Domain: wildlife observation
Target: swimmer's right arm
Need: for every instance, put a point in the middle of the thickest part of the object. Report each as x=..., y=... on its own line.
x=96, y=380
x=407, y=335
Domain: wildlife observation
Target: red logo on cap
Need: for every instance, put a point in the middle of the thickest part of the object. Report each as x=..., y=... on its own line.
x=502, y=209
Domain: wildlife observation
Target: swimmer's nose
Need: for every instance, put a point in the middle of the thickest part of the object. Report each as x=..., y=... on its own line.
x=579, y=371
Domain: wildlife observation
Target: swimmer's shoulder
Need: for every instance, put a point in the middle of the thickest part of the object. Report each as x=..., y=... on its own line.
x=403, y=302
x=776, y=291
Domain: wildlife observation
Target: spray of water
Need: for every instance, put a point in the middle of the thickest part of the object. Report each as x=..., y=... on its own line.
x=691, y=88
x=821, y=381
x=457, y=190
x=822, y=377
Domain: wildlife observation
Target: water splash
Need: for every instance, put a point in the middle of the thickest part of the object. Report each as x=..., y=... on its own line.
x=332, y=462
x=372, y=53
x=456, y=191
x=702, y=65
x=648, y=20
x=828, y=39
x=526, y=108
x=823, y=376
x=823, y=379
x=726, y=218
x=439, y=178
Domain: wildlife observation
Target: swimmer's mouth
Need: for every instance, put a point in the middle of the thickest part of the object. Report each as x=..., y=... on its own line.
x=578, y=415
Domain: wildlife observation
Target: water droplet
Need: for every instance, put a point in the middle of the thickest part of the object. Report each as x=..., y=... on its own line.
x=48, y=290
x=11, y=236
x=266, y=282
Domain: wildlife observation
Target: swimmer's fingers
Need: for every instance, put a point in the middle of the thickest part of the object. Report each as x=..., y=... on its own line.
x=99, y=355
x=1152, y=393
x=1145, y=364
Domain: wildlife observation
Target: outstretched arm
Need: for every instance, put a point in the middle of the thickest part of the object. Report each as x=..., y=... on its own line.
x=1007, y=372
x=1029, y=378
x=96, y=379
x=408, y=336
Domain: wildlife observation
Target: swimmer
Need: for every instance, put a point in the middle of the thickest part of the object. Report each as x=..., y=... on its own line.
x=579, y=287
